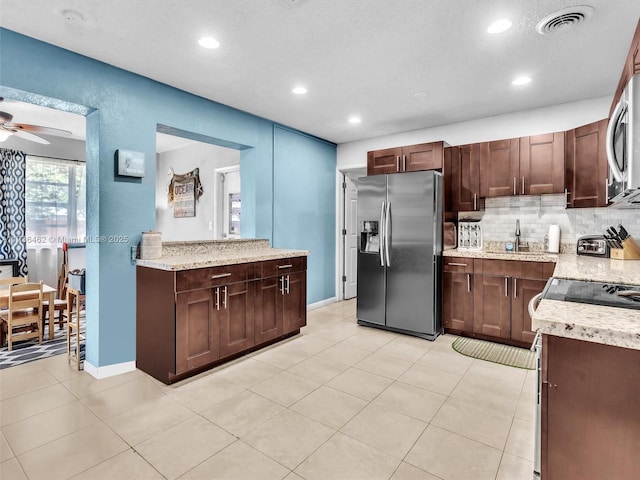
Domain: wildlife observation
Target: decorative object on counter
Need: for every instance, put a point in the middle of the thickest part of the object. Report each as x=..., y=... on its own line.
x=554, y=238
x=495, y=352
x=508, y=246
x=151, y=245
x=469, y=235
x=449, y=240
x=183, y=192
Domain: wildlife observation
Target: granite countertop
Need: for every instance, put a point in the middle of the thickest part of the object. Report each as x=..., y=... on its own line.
x=502, y=255
x=201, y=254
x=619, y=327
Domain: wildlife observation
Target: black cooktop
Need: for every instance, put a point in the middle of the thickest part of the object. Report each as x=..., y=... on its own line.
x=594, y=293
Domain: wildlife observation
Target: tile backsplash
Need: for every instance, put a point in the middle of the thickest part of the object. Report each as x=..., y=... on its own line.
x=537, y=212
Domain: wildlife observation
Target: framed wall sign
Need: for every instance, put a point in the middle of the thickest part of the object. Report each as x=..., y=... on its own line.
x=184, y=191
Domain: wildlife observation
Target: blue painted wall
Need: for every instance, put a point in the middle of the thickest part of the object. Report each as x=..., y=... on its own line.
x=304, y=205
x=125, y=112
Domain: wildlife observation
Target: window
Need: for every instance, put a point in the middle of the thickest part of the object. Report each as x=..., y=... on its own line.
x=55, y=201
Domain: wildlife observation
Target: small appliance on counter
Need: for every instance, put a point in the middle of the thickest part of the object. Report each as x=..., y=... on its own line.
x=469, y=236
x=593, y=245
x=449, y=240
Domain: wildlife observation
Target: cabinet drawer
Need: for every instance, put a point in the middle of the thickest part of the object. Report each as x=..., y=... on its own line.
x=272, y=268
x=457, y=264
x=502, y=268
x=212, y=276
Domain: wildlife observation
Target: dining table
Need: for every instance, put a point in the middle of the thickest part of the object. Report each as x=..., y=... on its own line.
x=48, y=294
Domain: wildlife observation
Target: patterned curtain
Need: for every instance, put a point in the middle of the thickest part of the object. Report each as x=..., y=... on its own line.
x=13, y=242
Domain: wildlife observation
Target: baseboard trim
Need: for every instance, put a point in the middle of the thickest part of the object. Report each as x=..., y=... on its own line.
x=109, y=370
x=321, y=303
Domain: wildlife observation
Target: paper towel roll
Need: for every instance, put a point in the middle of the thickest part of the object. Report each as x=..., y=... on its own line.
x=554, y=238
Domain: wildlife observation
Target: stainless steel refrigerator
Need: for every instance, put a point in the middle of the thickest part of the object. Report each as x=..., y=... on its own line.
x=399, y=252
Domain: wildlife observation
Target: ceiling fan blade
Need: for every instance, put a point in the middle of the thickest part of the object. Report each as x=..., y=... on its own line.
x=30, y=136
x=38, y=129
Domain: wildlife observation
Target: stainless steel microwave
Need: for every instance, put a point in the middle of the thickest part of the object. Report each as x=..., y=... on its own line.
x=623, y=148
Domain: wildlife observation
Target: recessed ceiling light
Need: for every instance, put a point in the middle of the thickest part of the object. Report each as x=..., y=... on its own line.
x=523, y=80
x=355, y=119
x=208, y=42
x=420, y=95
x=299, y=90
x=499, y=26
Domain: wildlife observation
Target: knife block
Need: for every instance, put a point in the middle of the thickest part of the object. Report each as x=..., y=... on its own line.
x=630, y=250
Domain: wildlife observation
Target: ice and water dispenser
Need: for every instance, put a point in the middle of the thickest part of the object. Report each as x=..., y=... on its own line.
x=369, y=236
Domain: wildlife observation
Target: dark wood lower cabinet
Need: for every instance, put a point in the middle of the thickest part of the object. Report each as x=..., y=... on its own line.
x=294, y=302
x=590, y=410
x=457, y=304
x=196, y=330
x=492, y=313
x=188, y=323
x=489, y=299
x=235, y=317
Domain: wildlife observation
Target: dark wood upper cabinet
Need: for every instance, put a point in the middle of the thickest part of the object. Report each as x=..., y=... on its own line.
x=410, y=158
x=586, y=167
x=384, y=161
x=630, y=68
x=541, y=164
x=465, y=178
x=499, y=169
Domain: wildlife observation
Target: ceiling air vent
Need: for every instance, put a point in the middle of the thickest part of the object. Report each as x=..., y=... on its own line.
x=564, y=19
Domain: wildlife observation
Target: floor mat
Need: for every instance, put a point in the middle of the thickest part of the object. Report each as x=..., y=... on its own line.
x=495, y=352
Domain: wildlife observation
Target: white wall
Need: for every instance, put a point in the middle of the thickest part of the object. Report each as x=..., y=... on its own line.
x=531, y=122
x=207, y=158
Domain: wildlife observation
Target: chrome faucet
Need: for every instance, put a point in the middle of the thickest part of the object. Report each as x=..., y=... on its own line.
x=516, y=246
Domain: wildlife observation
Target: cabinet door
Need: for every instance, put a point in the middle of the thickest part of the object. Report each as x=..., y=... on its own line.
x=196, y=330
x=457, y=301
x=294, y=305
x=426, y=156
x=499, y=168
x=466, y=178
x=384, y=161
x=542, y=164
x=586, y=166
x=590, y=422
x=492, y=306
x=235, y=305
x=268, y=309
x=523, y=291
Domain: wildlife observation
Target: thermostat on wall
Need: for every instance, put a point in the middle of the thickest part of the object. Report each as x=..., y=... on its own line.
x=130, y=164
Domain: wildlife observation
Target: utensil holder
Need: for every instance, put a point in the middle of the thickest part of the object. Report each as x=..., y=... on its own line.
x=630, y=250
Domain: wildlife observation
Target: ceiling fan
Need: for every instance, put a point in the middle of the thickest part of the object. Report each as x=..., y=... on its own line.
x=24, y=130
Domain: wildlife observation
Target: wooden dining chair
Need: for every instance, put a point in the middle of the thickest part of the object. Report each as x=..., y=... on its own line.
x=23, y=317
x=60, y=302
x=7, y=282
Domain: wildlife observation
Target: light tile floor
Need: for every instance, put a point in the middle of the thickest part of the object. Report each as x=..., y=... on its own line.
x=339, y=401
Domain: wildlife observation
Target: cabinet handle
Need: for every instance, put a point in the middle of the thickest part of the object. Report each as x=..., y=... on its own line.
x=404, y=163
x=523, y=185
x=285, y=266
x=606, y=191
x=566, y=197
x=514, y=186
x=221, y=275
x=475, y=201
x=453, y=264
x=217, y=298
x=398, y=163
x=468, y=282
x=225, y=298
x=506, y=286
x=287, y=287
x=282, y=285
x=515, y=288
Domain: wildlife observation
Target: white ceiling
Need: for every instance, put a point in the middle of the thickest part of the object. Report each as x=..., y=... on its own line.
x=364, y=57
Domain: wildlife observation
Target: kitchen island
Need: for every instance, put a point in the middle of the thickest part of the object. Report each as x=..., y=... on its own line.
x=590, y=383
x=205, y=303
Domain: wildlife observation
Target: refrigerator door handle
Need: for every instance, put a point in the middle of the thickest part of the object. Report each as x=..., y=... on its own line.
x=381, y=235
x=387, y=233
